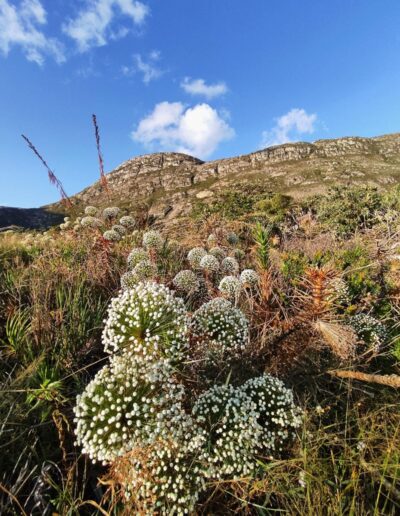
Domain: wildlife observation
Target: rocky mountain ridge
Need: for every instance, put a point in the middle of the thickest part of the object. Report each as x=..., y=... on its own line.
x=172, y=182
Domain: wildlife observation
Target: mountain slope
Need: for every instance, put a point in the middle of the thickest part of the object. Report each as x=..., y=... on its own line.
x=171, y=182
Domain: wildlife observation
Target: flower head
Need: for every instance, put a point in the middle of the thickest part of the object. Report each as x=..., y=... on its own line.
x=111, y=213
x=186, y=281
x=91, y=211
x=127, y=221
x=230, y=286
x=249, y=278
x=112, y=235
x=221, y=323
x=153, y=240
x=230, y=265
x=147, y=321
x=209, y=263
x=195, y=255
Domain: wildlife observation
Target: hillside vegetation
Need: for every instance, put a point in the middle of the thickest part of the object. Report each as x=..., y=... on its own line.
x=244, y=362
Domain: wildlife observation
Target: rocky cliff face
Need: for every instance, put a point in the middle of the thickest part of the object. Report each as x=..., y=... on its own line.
x=172, y=182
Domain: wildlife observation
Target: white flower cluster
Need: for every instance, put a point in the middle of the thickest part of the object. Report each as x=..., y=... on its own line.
x=169, y=472
x=230, y=265
x=243, y=422
x=132, y=414
x=119, y=229
x=230, y=286
x=186, y=281
x=91, y=222
x=221, y=323
x=127, y=221
x=91, y=211
x=249, y=278
x=153, y=240
x=111, y=213
x=128, y=404
x=147, y=321
x=209, y=263
x=112, y=235
x=137, y=255
x=369, y=330
x=195, y=256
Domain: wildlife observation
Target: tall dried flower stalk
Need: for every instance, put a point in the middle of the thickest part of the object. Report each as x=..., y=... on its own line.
x=52, y=177
x=103, y=179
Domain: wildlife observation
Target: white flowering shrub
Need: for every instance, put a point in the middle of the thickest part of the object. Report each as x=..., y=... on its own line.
x=209, y=263
x=369, y=330
x=127, y=404
x=230, y=265
x=219, y=322
x=153, y=240
x=137, y=255
x=230, y=286
x=217, y=252
x=127, y=221
x=91, y=222
x=195, y=255
x=147, y=321
x=249, y=278
x=111, y=213
x=244, y=422
x=186, y=281
x=119, y=229
x=91, y=211
x=112, y=236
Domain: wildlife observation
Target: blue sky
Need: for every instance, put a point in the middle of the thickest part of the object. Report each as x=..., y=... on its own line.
x=213, y=78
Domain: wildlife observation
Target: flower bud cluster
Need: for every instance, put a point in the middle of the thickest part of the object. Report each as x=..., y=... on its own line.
x=243, y=422
x=370, y=331
x=137, y=255
x=91, y=211
x=112, y=235
x=195, y=256
x=153, y=240
x=209, y=263
x=230, y=286
x=111, y=213
x=249, y=278
x=91, y=222
x=147, y=321
x=186, y=281
x=127, y=221
x=230, y=265
x=221, y=323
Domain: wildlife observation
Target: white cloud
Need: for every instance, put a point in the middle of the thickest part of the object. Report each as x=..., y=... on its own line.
x=93, y=25
x=20, y=26
x=148, y=68
x=199, y=87
x=197, y=130
x=289, y=127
